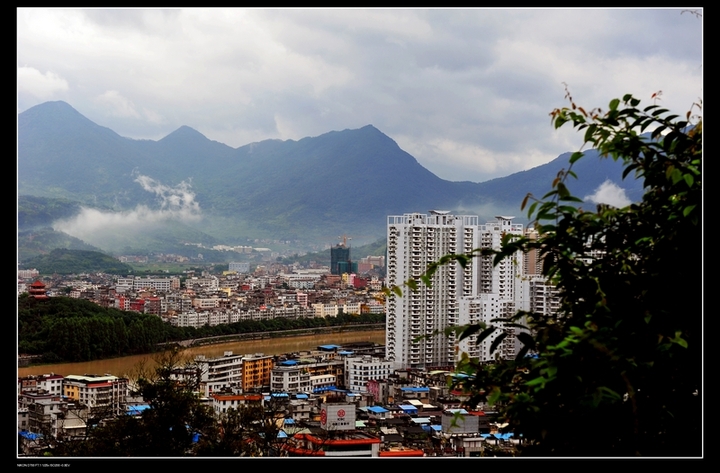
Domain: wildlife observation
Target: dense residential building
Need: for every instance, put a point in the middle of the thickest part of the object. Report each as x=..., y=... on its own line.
x=360, y=370
x=544, y=298
x=51, y=383
x=501, y=292
x=241, y=267
x=221, y=401
x=158, y=284
x=210, y=283
x=28, y=273
x=108, y=393
x=256, y=371
x=291, y=377
x=414, y=241
x=532, y=264
x=220, y=373
x=417, y=319
x=319, y=414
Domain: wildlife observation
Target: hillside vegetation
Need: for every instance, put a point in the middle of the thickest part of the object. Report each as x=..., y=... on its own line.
x=64, y=261
x=69, y=330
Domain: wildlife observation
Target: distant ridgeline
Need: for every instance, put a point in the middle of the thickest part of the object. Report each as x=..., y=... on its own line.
x=313, y=189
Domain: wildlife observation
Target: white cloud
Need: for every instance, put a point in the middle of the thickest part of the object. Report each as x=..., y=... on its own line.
x=42, y=86
x=175, y=203
x=611, y=194
x=117, y=105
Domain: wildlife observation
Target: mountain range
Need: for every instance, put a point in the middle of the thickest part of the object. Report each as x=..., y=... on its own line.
x=309, y=190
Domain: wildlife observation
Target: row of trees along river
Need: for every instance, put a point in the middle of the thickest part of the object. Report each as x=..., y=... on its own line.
x=65, y=330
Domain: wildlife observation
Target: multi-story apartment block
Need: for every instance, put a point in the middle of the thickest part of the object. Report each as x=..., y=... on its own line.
x=107, y=393
x=206, y=303
x=256, y=371
x=544, y=297
x=220, y=373
x=290, y=377
x=323, y=382
x=485, y=308
x=532, y=264
x=210, y=283
x=362, y=369
x=28, y=273
x=158, y=284
x=241, y=267
x=415, y=241
x=300, y=409
x=417, y=319
x=222, y=402
x=50, y=383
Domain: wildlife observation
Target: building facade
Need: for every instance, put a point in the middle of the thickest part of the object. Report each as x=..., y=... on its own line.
x=107, y=393
x=416, y=320
x=256, y=371
x=290, y=377
x=340, y=259
x=359, y=370
x=219, y=373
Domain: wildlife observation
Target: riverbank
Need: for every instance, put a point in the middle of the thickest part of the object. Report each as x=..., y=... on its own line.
x=124, y=366
x=197, y=342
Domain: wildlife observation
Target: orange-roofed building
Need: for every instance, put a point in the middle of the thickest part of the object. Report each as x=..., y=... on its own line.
x=222, y=402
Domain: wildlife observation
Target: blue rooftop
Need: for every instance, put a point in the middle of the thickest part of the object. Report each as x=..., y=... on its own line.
x=138, y=409
x=416, y=389
x=329, y=347
x=30, y=435
x=377, y=409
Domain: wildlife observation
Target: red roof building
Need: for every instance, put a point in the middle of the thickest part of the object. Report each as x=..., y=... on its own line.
x=37, y=290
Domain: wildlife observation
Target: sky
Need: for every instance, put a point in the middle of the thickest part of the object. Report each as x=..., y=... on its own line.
x=467, y=92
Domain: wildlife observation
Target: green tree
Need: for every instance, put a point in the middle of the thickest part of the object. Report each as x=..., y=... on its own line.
x=177, y=422
x=617, y=371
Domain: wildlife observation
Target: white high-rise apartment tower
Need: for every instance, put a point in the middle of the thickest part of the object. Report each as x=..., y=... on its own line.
x=457, y=296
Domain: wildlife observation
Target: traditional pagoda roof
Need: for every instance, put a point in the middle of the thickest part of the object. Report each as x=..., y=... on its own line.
x=37, y=290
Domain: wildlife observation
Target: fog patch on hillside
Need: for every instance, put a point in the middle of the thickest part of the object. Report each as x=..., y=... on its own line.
x=103, y=227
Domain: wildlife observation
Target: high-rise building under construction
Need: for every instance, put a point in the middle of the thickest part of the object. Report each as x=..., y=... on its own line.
x=340, y=262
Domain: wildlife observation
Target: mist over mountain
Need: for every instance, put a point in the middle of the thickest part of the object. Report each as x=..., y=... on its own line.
x=309, y=190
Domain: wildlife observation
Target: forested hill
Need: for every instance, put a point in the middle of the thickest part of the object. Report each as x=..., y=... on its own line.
x=65, y=329
x=64, y=261
x=310, y=190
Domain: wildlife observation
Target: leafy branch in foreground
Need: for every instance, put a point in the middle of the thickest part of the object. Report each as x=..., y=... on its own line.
x=617, y=370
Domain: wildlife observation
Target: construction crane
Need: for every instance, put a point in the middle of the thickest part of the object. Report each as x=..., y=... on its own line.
x=344, y=239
